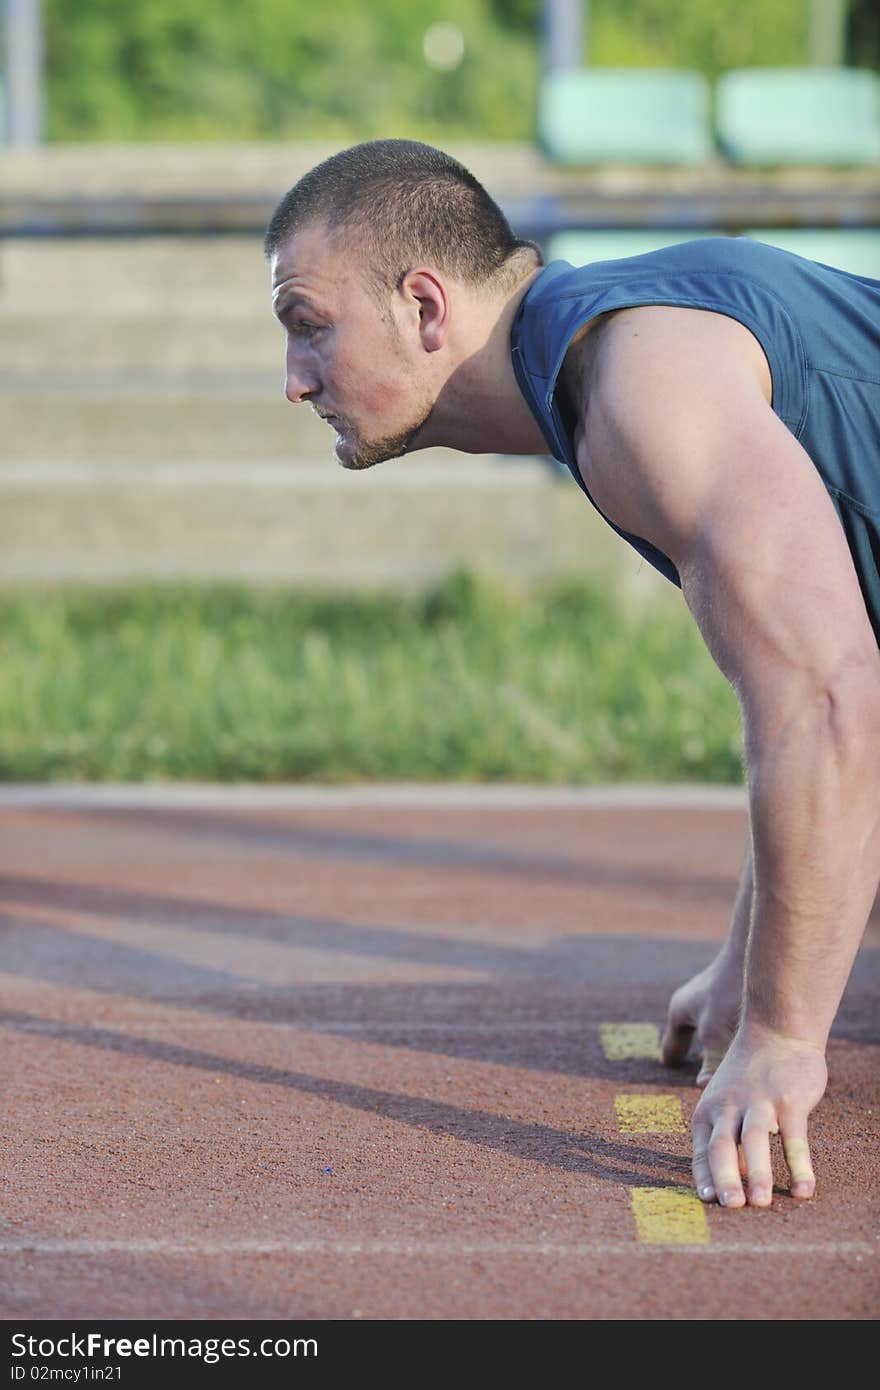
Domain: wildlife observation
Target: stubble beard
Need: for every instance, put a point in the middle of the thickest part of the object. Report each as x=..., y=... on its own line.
x=367, y=453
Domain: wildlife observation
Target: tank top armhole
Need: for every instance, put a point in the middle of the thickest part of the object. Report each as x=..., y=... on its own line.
x=780, y=386
x=788, y=396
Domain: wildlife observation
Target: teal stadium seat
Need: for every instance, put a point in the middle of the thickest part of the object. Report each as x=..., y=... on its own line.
x=580, y=248
x=799, y=116
x=624, y=116
x=856, y=249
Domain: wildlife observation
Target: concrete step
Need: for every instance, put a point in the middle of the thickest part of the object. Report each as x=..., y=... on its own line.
x=235, y=188
x=214, y=277
x=265, y=170
x=159, y=418
x=215, y=167
x=136, y=303
x=313, y=524
x=43, y=345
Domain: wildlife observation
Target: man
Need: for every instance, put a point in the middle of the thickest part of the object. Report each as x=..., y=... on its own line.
x=719, y=403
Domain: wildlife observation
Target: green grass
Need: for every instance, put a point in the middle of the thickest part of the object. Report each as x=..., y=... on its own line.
x=471, y=681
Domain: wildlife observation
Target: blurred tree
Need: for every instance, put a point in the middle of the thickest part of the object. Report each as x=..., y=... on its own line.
x=708, y=35
x=289, y=69
x=518, y=14
x=180, y=68
x=863, y=34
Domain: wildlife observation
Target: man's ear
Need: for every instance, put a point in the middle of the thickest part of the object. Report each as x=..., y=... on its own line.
x=426, y=296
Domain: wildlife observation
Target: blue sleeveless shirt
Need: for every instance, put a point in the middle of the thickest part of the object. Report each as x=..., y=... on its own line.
x=820, y=331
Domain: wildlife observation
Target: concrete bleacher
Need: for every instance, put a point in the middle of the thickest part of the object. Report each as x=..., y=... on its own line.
x=144, y=428
x=146, y=435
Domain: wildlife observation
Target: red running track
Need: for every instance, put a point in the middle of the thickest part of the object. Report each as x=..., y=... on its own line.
x=337, y=1056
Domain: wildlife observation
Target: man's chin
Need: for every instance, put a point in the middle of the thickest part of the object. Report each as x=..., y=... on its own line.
x=351, y=459
x=357, y=459
x=343, y=451
x=352, y=452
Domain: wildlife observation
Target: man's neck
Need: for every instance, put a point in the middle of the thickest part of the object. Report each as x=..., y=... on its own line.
x=481, y=409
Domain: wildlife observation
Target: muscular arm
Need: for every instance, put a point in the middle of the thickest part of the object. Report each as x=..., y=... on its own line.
x=680, y=446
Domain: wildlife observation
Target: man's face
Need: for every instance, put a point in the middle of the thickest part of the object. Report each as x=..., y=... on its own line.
x=352, y=366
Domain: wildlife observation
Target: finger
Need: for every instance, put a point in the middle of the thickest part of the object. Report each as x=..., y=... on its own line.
x=757, y=1128
x=710, y=1063
x=797, y=1156
x=678, y=1036
x=721, y=1152
x=700, y=1163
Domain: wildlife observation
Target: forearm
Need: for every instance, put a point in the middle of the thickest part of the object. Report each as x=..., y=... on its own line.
x=814, y=800
x=734, y=949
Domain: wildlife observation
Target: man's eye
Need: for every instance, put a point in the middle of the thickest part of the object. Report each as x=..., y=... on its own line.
x=302, y=326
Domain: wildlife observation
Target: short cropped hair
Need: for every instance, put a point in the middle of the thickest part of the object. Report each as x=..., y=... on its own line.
x=400, y=202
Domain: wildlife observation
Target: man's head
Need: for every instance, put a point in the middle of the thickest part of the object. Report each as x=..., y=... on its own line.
x=381, y=256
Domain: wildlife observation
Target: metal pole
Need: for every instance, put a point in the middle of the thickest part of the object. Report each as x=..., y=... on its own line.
x=826, y=33
x=564, y=34
x=23, y=76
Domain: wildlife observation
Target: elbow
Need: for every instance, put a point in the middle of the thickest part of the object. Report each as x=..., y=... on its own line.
x=815, y=783
x=851, y=698
x=852, y=728
x=835, y=723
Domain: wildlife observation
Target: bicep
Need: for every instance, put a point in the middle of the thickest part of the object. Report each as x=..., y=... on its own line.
x=694, y=459
x=769, y=579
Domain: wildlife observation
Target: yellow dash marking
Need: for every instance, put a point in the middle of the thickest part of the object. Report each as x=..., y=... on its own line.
x=669, y=1216
x=622, y=1040
x=649, y=1114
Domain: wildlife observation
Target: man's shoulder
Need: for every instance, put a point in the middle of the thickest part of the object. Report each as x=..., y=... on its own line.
x=630, y=342
x=564, y=299
x=664, y=392
x=561, y=280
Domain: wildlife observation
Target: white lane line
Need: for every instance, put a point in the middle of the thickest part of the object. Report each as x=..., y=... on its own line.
x=791, y=1249
x=512, y=796
x=313, y=472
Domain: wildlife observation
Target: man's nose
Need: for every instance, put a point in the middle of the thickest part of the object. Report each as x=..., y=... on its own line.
x=299, y=384
x=297, y=388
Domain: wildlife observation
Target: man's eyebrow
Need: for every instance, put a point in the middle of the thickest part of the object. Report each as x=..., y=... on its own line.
x=290, y=301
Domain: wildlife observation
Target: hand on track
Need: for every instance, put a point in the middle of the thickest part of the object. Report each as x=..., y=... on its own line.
x=705, y=1009
x=766, y=1084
